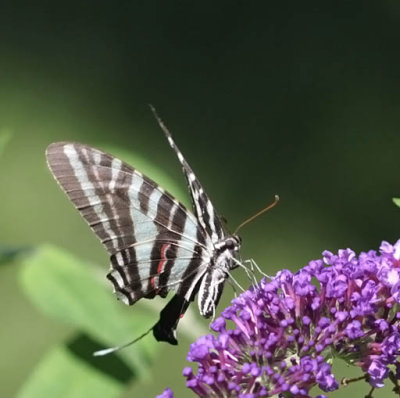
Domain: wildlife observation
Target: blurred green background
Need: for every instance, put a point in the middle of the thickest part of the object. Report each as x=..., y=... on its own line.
x=300, y=99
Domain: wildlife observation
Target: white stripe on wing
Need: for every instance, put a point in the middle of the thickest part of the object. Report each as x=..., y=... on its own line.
x=85, y=184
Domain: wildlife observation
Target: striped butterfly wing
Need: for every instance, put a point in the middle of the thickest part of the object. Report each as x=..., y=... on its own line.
x=202, y=205
x=155, y=244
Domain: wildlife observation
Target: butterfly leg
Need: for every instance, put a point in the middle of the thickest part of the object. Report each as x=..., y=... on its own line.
x=253, y=265
x=235, y=281
x=249, y=272
x=231, y=284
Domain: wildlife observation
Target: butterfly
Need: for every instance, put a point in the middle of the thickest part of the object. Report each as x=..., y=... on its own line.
x=156, y=244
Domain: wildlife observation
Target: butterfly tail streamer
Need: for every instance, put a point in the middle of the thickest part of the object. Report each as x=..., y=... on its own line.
x=111, y=350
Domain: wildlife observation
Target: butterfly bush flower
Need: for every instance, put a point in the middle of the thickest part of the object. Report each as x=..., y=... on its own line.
x=284, y=332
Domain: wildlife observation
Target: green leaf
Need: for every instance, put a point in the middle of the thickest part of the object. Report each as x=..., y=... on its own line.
x=396, y=201
x=71, y=290
x=63, y=375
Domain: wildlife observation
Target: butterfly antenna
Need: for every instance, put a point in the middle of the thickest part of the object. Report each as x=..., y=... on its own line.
x=111, y=350
x=275, y=202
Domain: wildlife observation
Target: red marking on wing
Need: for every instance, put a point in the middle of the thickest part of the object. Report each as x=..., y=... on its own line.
x=163, y=260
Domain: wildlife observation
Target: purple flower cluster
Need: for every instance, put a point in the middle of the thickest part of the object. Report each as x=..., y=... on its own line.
x=285, y=332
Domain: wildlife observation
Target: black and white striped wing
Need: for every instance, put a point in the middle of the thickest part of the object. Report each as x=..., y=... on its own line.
x=203, y=207
x=155, y=244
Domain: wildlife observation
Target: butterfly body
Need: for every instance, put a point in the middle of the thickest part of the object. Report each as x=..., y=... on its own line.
x=155, y=244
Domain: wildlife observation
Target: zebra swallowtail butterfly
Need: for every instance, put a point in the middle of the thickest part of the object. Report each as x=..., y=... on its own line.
x=155, y=244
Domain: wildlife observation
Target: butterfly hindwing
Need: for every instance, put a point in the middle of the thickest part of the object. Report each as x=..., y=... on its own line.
x=155, y=243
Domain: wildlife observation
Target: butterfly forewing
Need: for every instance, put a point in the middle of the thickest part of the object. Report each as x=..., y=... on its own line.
x=156, y=245
x=203, y=207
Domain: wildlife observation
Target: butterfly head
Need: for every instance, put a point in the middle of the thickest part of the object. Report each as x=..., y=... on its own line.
x=226, y=251
x=233, y=243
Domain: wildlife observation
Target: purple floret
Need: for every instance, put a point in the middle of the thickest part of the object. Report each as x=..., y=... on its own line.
x=167, y=393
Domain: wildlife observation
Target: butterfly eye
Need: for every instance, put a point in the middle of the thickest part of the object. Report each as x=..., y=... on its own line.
x=235, y=242
x=232, y=243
